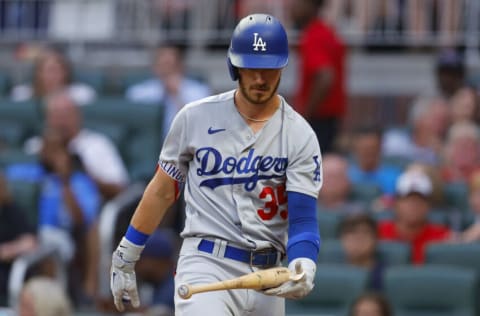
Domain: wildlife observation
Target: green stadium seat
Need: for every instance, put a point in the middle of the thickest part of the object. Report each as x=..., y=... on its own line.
x=8, y=157
x=328, y=224
x=331, y=251
x=461, y=255
x=431, y=290
x=135, y=128
x=456, y=195
x=3, y=84
x=91, y=77
x=394, y=253
x=18, y=120
x=336, y=286
x=26, y=194
x=365, y=193
x=133, y=78
x=390, y=252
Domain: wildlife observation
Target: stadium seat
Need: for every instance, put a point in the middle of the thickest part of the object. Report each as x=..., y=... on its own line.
x=133, y=78
x=394, y=253
x=461, y=255
x=328, y=224
x=456, y=195
x=3, y=84
x=336, y=286
x=91, y=77
x=391, y=253
x=135, y=128
x=431, y=290
x=18, y=120
x=365, y=192
x=25, y=194
x=331, y=251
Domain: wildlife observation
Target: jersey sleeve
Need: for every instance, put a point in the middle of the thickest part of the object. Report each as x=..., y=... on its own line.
x=304, y=171
x=174, y=155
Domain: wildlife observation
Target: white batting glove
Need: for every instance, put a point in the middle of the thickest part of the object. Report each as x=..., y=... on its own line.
x=123, y=283
x=297, y=289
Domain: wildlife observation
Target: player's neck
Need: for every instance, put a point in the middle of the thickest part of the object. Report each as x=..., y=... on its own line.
x=258, y=113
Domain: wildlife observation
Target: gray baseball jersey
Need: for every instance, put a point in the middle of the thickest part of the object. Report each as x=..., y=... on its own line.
x=236, y=181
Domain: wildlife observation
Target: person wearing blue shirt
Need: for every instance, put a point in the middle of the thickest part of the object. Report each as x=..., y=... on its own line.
x=366, y=167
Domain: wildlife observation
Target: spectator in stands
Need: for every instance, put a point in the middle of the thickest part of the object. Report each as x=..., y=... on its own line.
x=170, y=87
x=367, y=167
x=462, y=152
x=410, y=223
x=69, y=199
x=155, y=275
x=17, y=236
x=42, y=296
x=463, y=105
x=53, y=74
x=320, y=97
x=156, y=269
x=422, y=142
x=97, y=153
x=335, y=193
x=371, y=304
x=472, y=232
x=358, y=234
x=450, y=73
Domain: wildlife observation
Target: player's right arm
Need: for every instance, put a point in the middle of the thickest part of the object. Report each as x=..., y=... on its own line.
x=160, y=193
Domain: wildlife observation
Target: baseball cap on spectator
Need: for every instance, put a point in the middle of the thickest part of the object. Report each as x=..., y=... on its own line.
x=414, y=181
x=450, y=59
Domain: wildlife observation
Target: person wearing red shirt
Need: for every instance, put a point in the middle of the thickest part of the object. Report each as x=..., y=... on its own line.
x=410, y=224
x=320, y=96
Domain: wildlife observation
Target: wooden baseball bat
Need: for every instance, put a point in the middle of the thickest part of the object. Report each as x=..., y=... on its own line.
x=259, y=280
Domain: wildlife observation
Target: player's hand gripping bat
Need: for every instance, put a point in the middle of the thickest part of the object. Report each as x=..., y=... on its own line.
x=259, y=280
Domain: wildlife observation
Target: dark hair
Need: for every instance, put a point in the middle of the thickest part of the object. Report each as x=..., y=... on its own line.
x=378, y=298
x=351, y=222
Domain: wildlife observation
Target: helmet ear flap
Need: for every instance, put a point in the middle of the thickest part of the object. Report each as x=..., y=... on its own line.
x=232, y=69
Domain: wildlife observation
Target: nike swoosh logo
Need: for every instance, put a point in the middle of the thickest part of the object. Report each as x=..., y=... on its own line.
x=214, y=131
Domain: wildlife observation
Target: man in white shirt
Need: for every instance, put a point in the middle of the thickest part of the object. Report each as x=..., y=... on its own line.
x=97, y=152
x=171, y=87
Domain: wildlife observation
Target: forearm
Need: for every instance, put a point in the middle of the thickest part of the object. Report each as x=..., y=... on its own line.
x=12, y=249
x=157, y=198
x=321, y=85
x=72, y=205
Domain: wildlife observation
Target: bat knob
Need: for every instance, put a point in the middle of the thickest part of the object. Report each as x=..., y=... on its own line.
x=184, y=291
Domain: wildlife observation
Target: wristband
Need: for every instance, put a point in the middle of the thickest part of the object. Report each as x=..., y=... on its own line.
x=136, y=237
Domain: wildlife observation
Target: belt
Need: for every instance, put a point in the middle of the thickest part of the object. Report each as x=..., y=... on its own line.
x=263, y=258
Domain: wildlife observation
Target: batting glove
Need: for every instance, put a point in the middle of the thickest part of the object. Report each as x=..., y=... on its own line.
x=296, y=289
x=123, y=283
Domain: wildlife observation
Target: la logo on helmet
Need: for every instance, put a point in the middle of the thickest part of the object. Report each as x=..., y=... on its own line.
x=258, y=41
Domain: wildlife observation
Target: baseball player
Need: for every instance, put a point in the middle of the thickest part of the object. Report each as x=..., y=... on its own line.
x=251, y=169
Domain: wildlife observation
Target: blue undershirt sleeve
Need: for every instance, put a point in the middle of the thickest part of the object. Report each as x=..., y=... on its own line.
x=303, y=232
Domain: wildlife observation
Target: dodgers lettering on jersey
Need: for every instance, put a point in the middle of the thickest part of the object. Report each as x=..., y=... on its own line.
x=213, y=163
x=236, y=180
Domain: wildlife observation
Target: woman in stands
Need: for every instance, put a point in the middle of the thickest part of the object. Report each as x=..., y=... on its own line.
x=52, y=74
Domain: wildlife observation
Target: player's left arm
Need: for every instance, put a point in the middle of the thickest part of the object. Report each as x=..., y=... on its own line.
x=304, y=180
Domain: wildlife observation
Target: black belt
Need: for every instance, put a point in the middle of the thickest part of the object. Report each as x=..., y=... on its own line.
x=264, y=258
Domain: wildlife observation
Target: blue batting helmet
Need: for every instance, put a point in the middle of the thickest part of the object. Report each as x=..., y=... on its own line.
x=260, y=42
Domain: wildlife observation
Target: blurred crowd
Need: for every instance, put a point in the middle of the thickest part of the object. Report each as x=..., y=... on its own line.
x=414, y=184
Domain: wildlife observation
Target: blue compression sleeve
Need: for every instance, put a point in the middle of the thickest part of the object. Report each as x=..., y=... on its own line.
x=135, y=236
x=303, y=233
